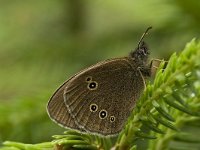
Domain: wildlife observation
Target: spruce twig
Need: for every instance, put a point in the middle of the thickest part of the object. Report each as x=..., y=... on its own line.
x=167, y=104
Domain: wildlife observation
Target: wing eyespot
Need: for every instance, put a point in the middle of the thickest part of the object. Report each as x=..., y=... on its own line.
x=93, y=107
x=102, y=114
x=92, y=85
x=88, y=79
x=112, y=118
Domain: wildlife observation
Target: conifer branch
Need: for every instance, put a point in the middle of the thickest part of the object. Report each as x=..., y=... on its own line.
x=167, y=104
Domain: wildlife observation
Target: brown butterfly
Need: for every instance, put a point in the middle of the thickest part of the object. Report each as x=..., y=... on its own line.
x=100, y=98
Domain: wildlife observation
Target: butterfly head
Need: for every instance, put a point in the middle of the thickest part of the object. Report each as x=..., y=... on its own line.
x=141, y=53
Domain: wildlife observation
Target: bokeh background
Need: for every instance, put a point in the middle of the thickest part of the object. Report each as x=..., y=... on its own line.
x=42, y=43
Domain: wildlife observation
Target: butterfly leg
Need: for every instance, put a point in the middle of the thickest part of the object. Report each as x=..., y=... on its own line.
x=139, y=69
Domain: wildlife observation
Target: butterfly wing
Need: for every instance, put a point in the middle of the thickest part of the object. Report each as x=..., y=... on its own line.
x=57, y=110
x=100, y=98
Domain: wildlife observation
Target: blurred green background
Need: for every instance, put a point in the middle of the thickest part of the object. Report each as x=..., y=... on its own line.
x=42, y=43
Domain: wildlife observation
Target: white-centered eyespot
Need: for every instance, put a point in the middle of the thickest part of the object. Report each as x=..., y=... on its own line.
x=102, y=114
x=92, y=85
x=93, y=107
x=112, y=118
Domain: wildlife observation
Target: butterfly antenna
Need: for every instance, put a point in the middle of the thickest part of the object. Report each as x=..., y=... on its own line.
x=143, y=35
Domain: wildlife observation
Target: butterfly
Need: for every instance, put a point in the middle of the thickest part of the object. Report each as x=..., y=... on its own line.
x=100, y=98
